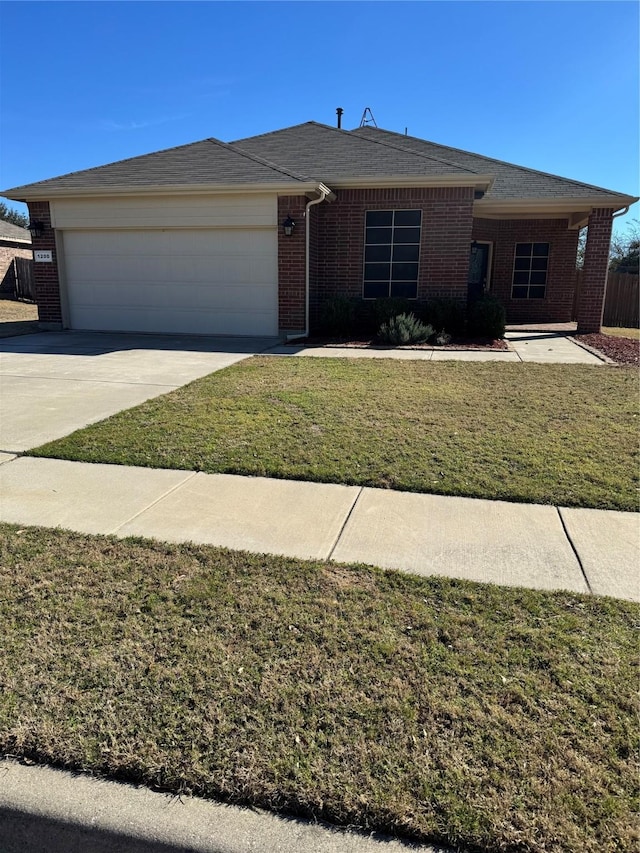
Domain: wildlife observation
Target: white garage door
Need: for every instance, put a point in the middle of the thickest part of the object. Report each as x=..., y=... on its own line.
x=204, y=282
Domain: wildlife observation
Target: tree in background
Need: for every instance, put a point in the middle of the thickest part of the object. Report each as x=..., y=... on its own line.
x=625, y=246
x=625, y=250
x=9, y=214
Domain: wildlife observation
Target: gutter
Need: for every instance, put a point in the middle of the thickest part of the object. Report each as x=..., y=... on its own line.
x=324, y=193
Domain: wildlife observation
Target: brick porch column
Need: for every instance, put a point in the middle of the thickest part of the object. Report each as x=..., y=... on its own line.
x=596, y=265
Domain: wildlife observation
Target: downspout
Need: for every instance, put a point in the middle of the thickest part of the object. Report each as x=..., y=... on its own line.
x=621, y=212
x=324, y=192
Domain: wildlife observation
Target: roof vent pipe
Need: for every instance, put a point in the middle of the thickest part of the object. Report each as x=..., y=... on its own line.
x=339, y=112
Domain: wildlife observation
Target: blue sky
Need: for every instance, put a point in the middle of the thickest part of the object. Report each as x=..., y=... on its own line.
x=550, y=85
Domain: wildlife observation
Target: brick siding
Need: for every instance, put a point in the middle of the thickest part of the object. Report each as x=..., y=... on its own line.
x=47, y=283
x=337, y=262
x=561, y=278
x=291, y=265
x=596, y=264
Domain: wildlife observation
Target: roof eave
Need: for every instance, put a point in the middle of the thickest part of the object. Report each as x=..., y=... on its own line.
x=481, y=182
x=34, y=193
x=557, y=205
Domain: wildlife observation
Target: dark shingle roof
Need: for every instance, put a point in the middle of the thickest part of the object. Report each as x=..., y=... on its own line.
x=317, y=152
x=207, y=162
x=326, y=153
x=511, y=181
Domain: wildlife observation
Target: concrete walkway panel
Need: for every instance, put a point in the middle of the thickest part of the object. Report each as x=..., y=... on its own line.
x=79, y=496
x=287, y=517
x=43, y=810
x=491, y=541
x=352, y=352
x=550, y=348
x=608, y=545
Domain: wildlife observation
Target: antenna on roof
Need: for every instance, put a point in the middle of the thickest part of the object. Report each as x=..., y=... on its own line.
x=367, y=118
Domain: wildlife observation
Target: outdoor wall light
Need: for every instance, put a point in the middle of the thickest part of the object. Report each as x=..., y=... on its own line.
x=288, y=226
x=36, y=228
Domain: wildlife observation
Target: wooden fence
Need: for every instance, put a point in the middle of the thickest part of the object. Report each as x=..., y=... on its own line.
x=25, y=286
x=621, y=303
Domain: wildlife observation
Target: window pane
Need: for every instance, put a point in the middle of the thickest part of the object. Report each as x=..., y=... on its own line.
x=539, y=263
x=521, y=278
x=406, y=253
x=541, y=249
x=536, y=292
x=377, y=272
x=379, y=217
x=407, y=217
x=375, y=289
x=405, y=289
x=523, y=263
x=519, y=293
x=538, y=278
x=406, y=272
x=377, y=253
x=378, y=235
x=406, y=235
x=523, y=249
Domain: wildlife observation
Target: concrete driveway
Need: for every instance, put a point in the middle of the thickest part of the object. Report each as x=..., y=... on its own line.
x=54, y=383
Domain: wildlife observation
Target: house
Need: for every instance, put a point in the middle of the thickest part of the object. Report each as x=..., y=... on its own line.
x=250, y=237
x=15, y=246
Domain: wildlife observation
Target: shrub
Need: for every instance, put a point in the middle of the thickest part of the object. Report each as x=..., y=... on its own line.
x=442, y=338
x=447, y=314
x=337, y=315
x=390, y=307
x=404, y=329
x=486, y=318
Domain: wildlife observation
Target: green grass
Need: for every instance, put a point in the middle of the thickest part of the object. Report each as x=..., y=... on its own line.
x=560, y=434
x=502, y=719
x=622, y=332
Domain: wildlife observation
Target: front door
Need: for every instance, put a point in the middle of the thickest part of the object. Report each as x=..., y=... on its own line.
x=478, y=270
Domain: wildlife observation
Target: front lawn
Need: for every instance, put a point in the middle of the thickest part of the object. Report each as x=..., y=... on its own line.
x=498, y=718
x=561, y=434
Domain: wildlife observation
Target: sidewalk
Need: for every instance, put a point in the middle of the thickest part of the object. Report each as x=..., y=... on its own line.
x=529, y=545
x=544, y=346
x=50, y=811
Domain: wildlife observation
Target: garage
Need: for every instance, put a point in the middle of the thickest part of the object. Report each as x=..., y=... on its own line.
x=204, y=264
x=207, y=281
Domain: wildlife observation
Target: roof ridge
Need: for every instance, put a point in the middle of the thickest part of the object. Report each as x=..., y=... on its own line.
x=347, y=134
x=270, y=132
x=417, y=153
x=503, y=163
x=255, y=158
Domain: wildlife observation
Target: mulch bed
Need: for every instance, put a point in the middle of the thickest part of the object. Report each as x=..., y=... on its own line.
x=620, y=350
x=456, y=344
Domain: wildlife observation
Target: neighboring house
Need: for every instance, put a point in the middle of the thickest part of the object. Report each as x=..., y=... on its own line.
x=199, y=239
x=15, y=242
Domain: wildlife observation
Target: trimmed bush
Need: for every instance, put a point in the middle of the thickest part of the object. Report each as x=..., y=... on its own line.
x=337, y=315
x=404, y=329
x=486, y=318
x=447, y=314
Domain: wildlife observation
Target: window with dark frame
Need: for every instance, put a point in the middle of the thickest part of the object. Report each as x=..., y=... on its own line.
x=391, y=253
x=530, y=267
